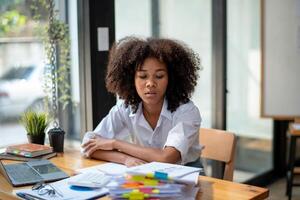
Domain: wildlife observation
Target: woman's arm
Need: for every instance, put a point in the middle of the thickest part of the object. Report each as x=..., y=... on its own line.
x=117, y=157
x=168, y=154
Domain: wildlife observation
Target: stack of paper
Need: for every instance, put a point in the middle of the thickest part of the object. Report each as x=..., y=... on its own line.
x=156, y=180
x=179, y=173
x=144, y=187
x=151, y=180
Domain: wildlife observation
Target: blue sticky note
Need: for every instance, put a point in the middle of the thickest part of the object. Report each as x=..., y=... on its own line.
x=161, y=175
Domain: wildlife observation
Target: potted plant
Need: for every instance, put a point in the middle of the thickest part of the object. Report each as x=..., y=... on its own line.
x=56, y=41
x=35, y=124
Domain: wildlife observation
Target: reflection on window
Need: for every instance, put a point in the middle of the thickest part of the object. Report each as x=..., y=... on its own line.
x=189, y=22
x=254, y=147
x=21, y=61
x=22, y=65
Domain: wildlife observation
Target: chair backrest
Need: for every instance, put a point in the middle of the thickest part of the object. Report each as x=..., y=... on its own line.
x=219, y=145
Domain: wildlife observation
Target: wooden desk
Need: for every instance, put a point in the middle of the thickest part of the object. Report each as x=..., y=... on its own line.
x=210, y=188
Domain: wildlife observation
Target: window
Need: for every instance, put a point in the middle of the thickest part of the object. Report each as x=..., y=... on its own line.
x=254, y=147
x=22, y=62
x=169, y=18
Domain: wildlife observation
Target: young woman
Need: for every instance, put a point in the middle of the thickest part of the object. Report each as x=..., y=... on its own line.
x=155, y=119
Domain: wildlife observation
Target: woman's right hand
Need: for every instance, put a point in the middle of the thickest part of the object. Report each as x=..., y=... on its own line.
x=132, y=161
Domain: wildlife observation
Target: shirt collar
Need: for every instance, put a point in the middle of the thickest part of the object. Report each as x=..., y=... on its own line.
x=164, y=111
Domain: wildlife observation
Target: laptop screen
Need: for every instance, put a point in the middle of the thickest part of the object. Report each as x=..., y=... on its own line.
x=31, y=172
x=46, y=169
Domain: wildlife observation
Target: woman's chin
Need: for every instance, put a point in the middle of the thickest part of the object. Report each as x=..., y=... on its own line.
x=152, y=101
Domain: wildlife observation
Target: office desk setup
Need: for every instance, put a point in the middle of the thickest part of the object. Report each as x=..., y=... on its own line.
x=210, y=188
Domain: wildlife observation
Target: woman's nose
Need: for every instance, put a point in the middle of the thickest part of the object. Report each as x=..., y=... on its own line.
x=150, y=83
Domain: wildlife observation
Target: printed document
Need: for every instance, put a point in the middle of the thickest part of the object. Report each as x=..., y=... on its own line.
x=112, y=169
x=179, y=173
x=64, y=191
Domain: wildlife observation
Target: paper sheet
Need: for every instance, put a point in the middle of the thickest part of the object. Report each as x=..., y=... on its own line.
x=107, y=168
x=182, y=173
x=186, y=174
x=296, y=126
x=68, y=192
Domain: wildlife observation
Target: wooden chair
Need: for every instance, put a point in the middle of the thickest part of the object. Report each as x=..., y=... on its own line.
x=219, y=145
x=292, y=170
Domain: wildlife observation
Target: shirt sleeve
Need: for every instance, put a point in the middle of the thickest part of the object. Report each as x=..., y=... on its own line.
x=182, y=136
x=113, y=125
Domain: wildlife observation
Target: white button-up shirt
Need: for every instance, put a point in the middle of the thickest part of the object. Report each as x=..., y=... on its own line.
x=178, y=129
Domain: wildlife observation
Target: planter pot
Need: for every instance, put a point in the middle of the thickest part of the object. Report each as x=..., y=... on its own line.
x=56, y=139
x=37, y=139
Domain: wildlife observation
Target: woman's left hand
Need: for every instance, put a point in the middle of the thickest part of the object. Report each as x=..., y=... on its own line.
x=98, y=143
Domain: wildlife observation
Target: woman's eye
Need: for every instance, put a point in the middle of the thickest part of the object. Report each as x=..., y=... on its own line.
x=159, y=76
x=142, y=76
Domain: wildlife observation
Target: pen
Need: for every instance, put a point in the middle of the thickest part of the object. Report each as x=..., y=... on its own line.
x=28, y=196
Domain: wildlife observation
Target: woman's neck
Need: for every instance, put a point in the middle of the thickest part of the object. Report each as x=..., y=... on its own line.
x=151, y=114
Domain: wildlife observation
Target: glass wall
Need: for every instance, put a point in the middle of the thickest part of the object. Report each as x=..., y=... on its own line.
x=169, y=18
x=22, y=66
x=254, y=147
x=188, y=22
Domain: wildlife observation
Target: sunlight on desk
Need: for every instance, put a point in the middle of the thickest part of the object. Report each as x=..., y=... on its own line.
x=210, y=188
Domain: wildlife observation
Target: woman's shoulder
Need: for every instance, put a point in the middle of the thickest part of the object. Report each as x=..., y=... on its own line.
x=188, y=109
x=189, y=106
x=121, y=107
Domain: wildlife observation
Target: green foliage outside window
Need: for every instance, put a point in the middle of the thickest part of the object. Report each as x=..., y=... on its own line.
x=11, y=21
x=56, y=32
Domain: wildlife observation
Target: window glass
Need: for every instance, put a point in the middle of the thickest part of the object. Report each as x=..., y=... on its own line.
x=21, y=60
x=132, y=17
x=22, y=66
x=191, y=23
x=254, y=147
x=172, y=19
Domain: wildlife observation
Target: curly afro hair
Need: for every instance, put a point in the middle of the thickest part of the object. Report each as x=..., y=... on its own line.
x=127, y=55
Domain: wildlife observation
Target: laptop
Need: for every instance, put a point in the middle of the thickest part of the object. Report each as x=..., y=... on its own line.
x=31, y=172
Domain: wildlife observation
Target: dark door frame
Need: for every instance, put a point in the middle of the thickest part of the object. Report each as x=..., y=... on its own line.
x=101, y=14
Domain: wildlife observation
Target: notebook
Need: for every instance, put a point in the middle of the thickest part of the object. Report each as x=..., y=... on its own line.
x=29, y=149
x=31, y=172
x=8, y=156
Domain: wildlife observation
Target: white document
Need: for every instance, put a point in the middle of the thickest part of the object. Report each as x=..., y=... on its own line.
x=112, y=169
x=93, y=179
x=179, y=173
x=296, y=126
x=67, y=192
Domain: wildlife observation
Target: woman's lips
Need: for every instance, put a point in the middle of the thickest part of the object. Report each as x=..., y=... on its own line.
x=150, y=94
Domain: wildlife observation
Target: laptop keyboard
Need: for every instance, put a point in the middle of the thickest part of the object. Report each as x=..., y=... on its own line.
x=22, y=173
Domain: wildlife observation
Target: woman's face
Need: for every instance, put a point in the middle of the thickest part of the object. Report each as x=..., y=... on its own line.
x=151, y=81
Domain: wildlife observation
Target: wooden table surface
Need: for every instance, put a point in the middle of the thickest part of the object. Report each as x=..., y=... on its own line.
x=210, y=188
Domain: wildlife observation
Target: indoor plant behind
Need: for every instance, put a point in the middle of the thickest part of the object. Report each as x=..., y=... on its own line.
x=35, y=124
